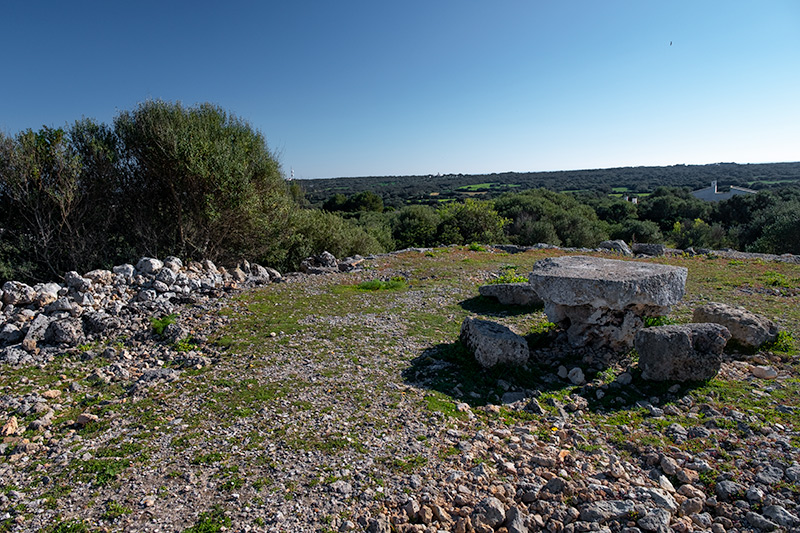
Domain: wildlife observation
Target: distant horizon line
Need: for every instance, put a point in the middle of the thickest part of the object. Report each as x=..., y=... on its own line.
x=438, y=174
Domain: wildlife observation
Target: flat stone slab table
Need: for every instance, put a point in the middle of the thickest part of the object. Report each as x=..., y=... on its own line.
x=603, y=302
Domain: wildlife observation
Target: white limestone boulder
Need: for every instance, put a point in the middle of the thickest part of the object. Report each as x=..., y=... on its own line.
x=748, y=329
x=681, y=352
x=511, y=293
x=493, y=343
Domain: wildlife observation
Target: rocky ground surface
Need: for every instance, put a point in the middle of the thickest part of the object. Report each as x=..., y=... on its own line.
x=316, y=404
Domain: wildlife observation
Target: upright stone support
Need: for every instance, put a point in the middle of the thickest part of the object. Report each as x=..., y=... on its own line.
x=603, y=302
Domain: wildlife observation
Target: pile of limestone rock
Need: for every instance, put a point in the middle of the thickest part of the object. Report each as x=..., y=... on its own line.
x=606, y=303
x=40, y=321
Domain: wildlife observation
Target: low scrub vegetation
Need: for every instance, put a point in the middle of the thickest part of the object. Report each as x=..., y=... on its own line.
x=200, y=182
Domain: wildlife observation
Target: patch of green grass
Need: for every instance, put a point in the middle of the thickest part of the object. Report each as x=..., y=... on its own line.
x=408, y=464
x=115, y=510
x=209, y=458
x=100, y=471
x=440, y=403
x=655, y=321
x=160, y=324
x=776, y=279
x=378, y=285
x=210, y=522
x=70, y=526
x=475, y=247
x=185, y=345
x=785, y=343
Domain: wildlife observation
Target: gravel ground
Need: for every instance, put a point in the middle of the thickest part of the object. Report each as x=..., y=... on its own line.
x=362, y=413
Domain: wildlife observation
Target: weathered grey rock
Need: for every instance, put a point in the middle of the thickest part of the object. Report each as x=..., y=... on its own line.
x=605, y=510
x=173, y=263
x=75, y=281
x=660, y=497
x=166, y=276
x=770, y=475
x=760, y=522
x=781, y=516
x=603, y=301
x=656, y=520
x=59, y=306
x=46, y=293
x=619, y=246
x=748, y=329
x=38, y=327
x=14, y=355
x=379, y=525
x=576, y=377
x=685, y=352
x=515, y=520
x=349, y=264
x=511, y=293
x=728, y=490
x=174, y=332
x=489, y=512
x=126, y=271
x=10, y=334
x=258, y=274
x=68, y=331
x=18, y=293
x=493, y=343
x=238, y=275
x=273, y=274
x=654, y=250
x=98, y=322
x=149, y=265
x=100, y=276
x=320, y=264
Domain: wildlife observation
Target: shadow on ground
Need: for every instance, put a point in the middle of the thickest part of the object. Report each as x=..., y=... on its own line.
x=450, y=369
x=481, y=305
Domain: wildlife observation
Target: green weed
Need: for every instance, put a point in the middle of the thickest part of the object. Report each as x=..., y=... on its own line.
x=160, y=324
x=210, y=522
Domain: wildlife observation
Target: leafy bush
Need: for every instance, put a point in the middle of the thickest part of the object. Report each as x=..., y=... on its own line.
x=415, y=225
x=539, y=215
x=314, y=231
x=471, y=221
x=200, y=182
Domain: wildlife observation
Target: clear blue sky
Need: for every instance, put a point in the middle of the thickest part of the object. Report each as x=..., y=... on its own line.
x=355, y=88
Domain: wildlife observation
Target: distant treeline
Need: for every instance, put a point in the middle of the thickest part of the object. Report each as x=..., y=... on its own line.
x=198, y=182
x=768, y=221
x=397, y=191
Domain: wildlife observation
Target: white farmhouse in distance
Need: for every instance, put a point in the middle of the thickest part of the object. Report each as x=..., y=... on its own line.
x=710, y=194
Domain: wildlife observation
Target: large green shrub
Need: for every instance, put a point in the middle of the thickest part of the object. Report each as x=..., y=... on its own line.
x=415, y=225
x=539, y=215
x=314, y=231
x=470, y=221
x=44, y=208
x=199, y=182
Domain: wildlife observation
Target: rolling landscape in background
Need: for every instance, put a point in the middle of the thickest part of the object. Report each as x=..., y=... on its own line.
x=632, y=181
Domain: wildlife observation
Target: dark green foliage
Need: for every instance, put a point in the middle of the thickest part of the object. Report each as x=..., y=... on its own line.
x=200, y=182
x=415, y=225
x=160, y=324
x=668, y=205
x=165, y=179
x=539, y=215
x=362, y=201
x=471, y=221
x=633, y=230
x=315, y=231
